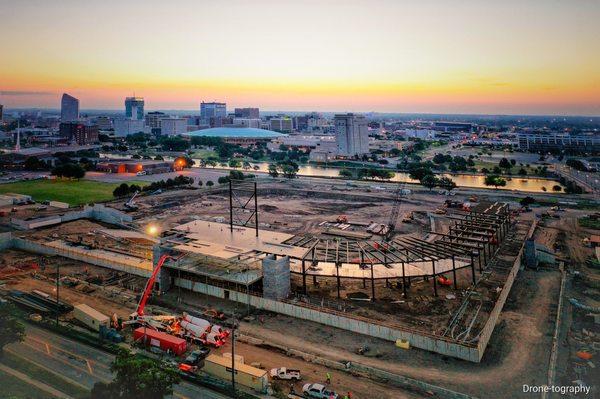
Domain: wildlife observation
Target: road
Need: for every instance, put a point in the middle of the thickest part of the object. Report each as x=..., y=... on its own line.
x=80, y=364
x=589, y=180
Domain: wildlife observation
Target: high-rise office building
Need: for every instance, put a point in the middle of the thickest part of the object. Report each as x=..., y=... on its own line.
x=134, y=108
x=213, y=110
x=69, y=108
x=248, y=113
x=351, y=134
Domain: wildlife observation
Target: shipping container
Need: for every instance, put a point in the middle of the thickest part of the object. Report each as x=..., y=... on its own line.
x=90, y=317
x=245, y=375
x=159, y=339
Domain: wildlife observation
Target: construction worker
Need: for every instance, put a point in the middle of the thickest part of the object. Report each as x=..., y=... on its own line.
x=328, y=378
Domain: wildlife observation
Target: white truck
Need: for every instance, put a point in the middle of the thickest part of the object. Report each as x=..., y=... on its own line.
x=318, y=391
x=283, y=373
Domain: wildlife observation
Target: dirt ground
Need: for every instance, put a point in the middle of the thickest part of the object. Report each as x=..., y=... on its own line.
x=517, y=353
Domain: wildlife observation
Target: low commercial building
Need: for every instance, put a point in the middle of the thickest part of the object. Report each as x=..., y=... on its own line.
x=134, y=166
x=564, y=142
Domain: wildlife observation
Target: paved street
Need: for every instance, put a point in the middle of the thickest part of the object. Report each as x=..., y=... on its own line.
x=80, y=364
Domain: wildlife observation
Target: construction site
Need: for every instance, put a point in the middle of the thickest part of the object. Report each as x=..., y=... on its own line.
x=416, y=280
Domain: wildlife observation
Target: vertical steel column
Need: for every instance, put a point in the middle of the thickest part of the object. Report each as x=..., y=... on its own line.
x=403, y=280
x=454, y=272
x=434, y=279
x=304, y=276
x=256, y=208
x=230, y=207
x=473, y=268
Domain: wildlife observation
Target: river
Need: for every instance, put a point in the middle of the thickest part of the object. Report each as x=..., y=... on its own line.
x=516, y=183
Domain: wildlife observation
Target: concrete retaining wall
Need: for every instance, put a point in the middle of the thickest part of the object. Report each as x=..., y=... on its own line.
x=421, y=341
x=97, y=212
x=5, y=240
x=35, y=247
x=488, y=329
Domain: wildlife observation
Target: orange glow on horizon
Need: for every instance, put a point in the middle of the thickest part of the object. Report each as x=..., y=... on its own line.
x=413, y=56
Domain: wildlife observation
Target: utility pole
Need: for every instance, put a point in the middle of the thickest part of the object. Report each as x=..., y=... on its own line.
x=57, y=289
x=233, y=357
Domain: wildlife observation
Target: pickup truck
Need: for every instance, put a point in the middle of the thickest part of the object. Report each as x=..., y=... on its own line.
x=283, y=373
x=318, y=391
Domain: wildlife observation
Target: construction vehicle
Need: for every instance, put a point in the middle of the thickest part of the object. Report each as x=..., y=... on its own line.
x=440, y=211
x=130, y=205
x=342, y=219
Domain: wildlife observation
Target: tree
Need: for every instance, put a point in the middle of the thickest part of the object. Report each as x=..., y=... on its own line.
x=234, y=163
x=345, y=173
x=526, y=201
x=137, y=378
x=121, y=190
x=11, y=329
x=273, y=172
x=523, y=172
x=446, y=183
x=209, y=183
x=200, y=183
x=504, y=163
x=429, y=181
x=34, y=163
x=288, y=169
x=68, y=170
x=494, y=180
x=576, y=164
x=556, y=188
x=513, y=162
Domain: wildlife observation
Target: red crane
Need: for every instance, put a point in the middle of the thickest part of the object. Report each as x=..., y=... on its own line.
x=150, y=284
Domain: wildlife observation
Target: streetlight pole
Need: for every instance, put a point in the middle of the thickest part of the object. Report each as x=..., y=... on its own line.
x=233, y=357
x=57, y=289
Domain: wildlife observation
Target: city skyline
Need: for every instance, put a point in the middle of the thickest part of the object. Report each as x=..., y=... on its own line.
x=533, y=57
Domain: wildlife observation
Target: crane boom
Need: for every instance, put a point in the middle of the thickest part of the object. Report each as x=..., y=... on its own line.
x=150, y=284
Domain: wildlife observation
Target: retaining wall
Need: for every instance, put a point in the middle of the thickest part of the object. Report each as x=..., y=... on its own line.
x=421, y=341
x=97, y=212
x=5, y=240
x=35, y=247
x=488, y=329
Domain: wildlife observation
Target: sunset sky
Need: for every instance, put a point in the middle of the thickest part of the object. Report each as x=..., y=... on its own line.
x=438, y=56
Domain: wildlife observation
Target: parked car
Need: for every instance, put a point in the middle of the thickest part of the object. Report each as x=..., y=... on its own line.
x=141, y=173
x=318, y=391
x=283, y=373
x=197, y=356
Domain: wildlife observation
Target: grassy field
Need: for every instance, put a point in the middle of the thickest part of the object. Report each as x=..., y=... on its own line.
x=204, y=154
x=74, y=192
x=589, y=223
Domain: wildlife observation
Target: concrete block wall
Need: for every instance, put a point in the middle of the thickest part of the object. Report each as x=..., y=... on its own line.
x=276, y=277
